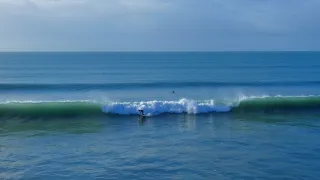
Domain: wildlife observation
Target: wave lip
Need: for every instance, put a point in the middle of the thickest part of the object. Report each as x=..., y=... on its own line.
x=266, y=104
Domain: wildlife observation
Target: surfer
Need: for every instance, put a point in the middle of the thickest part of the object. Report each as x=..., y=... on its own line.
x=141, y=112
x=173, y=92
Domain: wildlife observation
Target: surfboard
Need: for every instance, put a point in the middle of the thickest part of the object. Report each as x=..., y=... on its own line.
x=144, y=116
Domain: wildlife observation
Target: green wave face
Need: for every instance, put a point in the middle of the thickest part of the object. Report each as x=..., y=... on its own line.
x=279, y=104
x=50, y=109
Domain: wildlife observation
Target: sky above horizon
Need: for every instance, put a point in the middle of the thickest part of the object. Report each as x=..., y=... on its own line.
x=159, y=25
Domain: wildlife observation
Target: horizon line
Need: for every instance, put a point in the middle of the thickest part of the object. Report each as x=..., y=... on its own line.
x=154, y=51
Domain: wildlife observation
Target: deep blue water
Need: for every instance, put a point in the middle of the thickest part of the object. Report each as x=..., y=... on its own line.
x=244, y=115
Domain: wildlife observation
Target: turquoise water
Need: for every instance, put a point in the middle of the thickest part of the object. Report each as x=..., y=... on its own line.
x=233, y=115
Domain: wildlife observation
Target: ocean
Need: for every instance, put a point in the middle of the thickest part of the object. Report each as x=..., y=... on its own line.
x=209, y=115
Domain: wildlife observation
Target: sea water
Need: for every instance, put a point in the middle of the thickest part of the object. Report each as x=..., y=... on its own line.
x=210, y=115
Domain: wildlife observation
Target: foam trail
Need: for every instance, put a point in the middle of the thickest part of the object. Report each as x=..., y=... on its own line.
x=159, y=107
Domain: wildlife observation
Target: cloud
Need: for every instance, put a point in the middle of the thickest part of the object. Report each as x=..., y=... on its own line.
x=159, y=25
x=82, y=7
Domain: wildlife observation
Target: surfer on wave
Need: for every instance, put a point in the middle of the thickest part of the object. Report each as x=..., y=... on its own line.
x=141, y=112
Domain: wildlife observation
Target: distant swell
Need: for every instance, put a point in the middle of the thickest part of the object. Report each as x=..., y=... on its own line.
x=151, y=108
x=110, y=86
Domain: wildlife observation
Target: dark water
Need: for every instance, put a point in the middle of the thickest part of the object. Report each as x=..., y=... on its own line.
x=232, y=116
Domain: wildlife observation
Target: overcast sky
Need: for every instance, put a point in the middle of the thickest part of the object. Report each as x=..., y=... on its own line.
x=164, y=25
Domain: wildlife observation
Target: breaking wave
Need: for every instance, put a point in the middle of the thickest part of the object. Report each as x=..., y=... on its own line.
x=52, y=109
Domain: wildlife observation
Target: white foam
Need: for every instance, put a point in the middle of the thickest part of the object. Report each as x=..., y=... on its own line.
x=159, y=107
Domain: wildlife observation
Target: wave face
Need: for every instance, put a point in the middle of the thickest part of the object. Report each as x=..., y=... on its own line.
x=86, y=108
x=279, y=104
x=49, y=109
